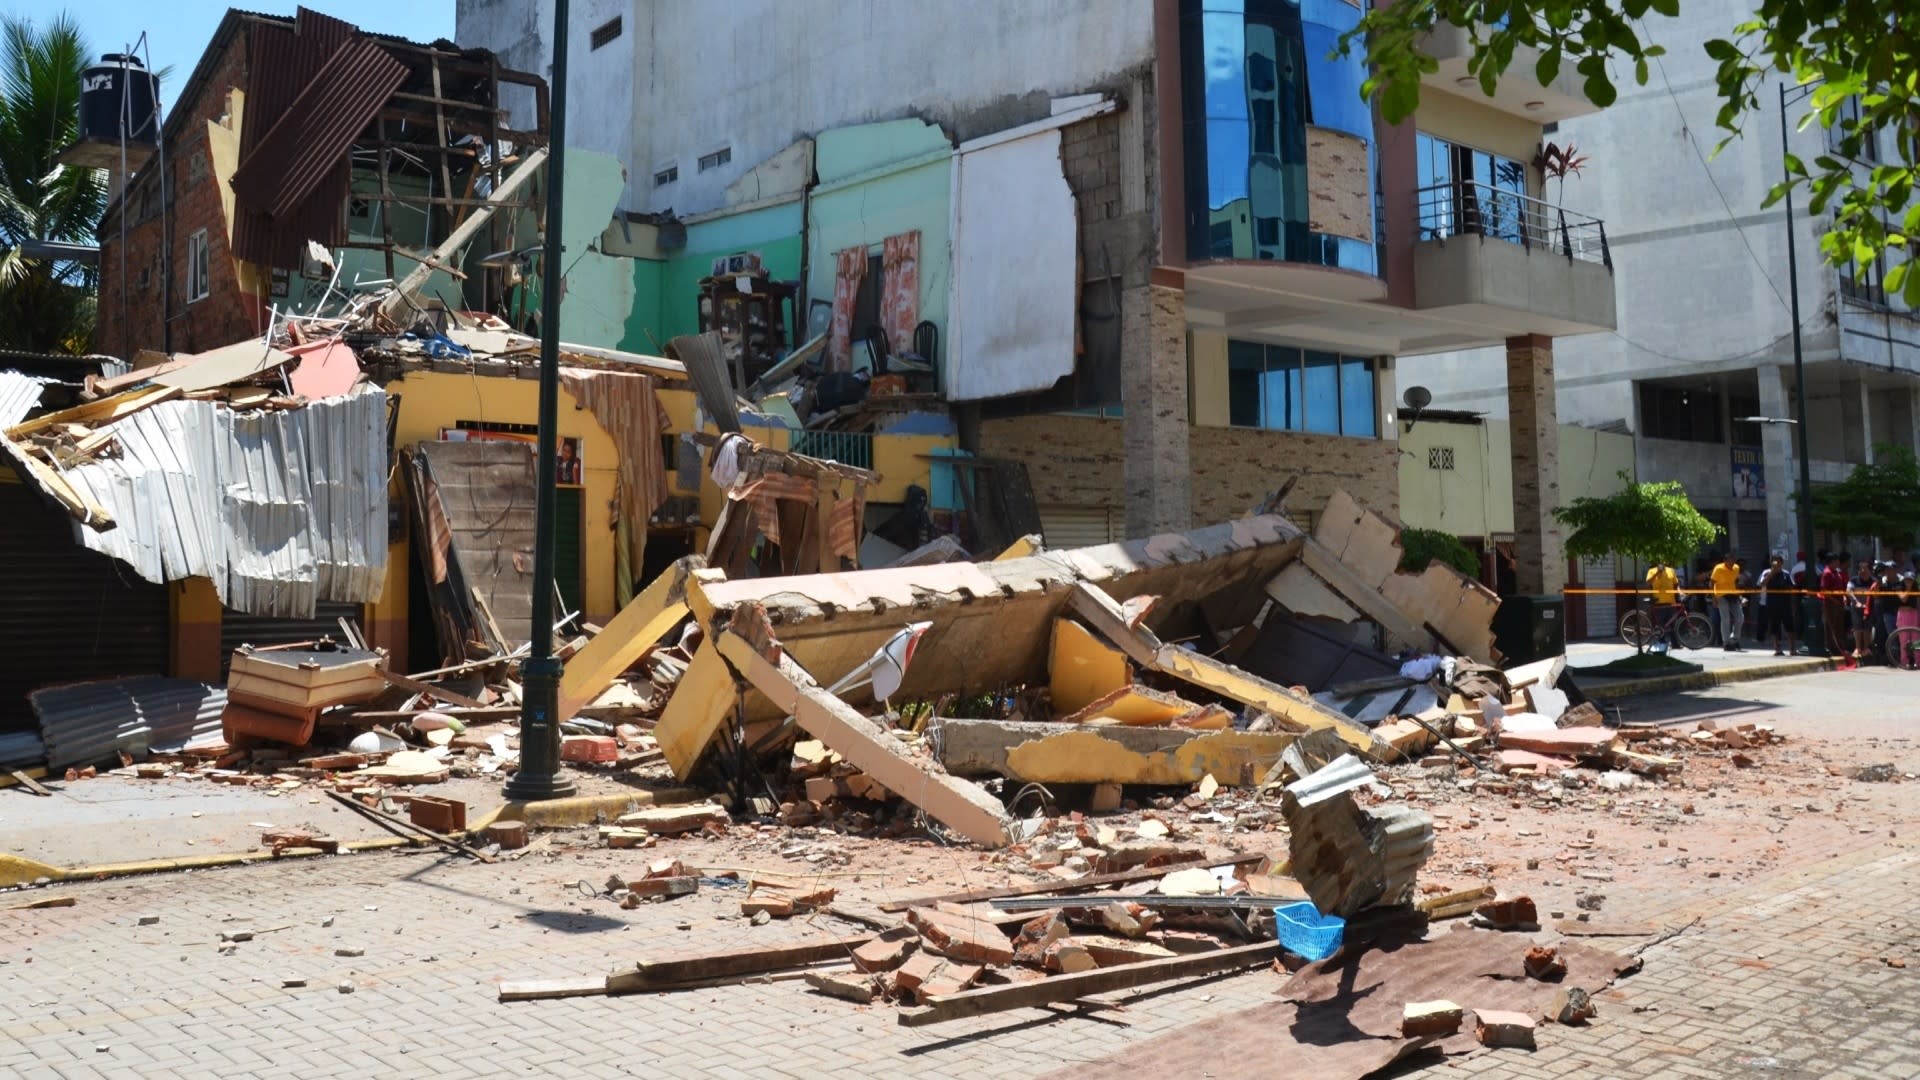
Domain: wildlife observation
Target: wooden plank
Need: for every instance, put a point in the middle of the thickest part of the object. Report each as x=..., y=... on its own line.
x=547, y=989
x=28, y=782
x=1063, y=888
x=992, y=999
x=639, y=627
x=99, y=413
x=43, y=902
x=394, y=822
x=731, y=963
x=417, y=687
x=958, y=804
x=1354, y=588
x=89, y=513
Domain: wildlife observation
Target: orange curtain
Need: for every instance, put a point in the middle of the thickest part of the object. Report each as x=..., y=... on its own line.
x=900, y=306
x=850, y=265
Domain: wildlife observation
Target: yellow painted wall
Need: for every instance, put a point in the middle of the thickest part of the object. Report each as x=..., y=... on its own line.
x=1475, y=497
x=430, y=401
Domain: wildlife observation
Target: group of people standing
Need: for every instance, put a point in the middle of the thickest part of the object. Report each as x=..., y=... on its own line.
x=1863, y=610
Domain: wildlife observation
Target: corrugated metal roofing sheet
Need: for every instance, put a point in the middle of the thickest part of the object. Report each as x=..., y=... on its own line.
x=19, y=393
x=87, y=723
x=281, y=509
x=311, y=136
x=20, y=749
x=1342, y=774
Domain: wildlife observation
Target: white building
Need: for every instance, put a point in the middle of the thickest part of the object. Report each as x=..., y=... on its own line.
x=1705, y=337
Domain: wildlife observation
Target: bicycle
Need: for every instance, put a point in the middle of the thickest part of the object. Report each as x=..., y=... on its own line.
x=1690, y=629
x=1903, y=648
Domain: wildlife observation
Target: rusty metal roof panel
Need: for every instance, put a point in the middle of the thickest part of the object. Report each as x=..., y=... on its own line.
x=317, y=128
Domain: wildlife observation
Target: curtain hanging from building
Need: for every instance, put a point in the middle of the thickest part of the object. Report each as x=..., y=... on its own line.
x=900, y=276
x=850, y=265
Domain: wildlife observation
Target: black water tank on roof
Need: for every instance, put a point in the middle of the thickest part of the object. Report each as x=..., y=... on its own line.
x=118, y=96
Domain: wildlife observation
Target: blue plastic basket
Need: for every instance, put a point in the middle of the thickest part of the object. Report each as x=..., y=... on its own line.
x=1305, y=932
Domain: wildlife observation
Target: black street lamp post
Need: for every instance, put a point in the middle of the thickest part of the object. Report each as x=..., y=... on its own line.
x=539, y=774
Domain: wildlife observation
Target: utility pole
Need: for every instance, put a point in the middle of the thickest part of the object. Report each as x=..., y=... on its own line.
x=1812, y=625
x=539, y=774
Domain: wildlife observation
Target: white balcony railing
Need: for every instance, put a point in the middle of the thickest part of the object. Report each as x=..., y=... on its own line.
x=1470, y=208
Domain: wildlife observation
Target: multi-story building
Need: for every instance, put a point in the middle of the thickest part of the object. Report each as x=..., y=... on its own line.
x=1160, y=251
x=1706, y=335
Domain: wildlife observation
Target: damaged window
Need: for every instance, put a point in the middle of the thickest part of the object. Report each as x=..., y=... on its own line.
x=197, y=266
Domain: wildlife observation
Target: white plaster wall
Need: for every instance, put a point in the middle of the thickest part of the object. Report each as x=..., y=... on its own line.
x=1690, y=297
x=755, y=75
x=599, y=110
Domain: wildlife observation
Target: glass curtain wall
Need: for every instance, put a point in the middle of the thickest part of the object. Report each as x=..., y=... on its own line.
x=1468, y=191
x=1281, y=388
x=1255, y=74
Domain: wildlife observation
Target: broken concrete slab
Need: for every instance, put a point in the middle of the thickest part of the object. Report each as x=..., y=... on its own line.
x=1048, y=753
x=1083, y=669
x=639, y=626
x=675, y=820
x=960, y=938
x=1347, y=857
x=1500, y=1028
x=1430, y=1018
x=957, y=804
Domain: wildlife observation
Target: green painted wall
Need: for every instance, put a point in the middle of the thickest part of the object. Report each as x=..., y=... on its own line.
x=877, y=180
x=773, y=231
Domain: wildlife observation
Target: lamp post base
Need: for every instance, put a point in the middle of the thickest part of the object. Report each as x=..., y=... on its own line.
x=539, y=775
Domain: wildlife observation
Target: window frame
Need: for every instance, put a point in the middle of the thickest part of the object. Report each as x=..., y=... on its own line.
x=199, y=267
x=1295, y=410
x=605, y=34
x=670, y=170
x=716, y=159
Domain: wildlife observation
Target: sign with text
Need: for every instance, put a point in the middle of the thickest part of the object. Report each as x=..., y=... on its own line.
x=1749, y=473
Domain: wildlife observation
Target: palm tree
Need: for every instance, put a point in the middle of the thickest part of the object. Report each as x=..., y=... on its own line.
x=45, y=305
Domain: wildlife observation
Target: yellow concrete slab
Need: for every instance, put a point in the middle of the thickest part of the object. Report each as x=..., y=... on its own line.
x=1084, y=757
x=637, y=628
x=699, y=705
x=1084, y=668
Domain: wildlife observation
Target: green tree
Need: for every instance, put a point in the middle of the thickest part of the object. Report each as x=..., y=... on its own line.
x=1865, y=50
x=45, y=305
x=1420, y=547
x=1651, y=523
x=1881, y=500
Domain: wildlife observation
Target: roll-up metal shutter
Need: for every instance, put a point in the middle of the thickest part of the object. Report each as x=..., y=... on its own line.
x=1080, y=526
x=66, y=613
x=238, y=628
x=1603, y=607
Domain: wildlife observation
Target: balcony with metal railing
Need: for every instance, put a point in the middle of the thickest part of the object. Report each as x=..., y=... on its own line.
x=1476, y=209
x=1516, y=263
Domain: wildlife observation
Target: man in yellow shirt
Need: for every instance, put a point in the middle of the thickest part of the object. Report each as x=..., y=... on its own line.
x=1664, y=584
x=1726, y=601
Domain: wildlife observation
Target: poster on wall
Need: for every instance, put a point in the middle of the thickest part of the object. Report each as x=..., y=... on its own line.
x=568, y=469
x=1749, y=474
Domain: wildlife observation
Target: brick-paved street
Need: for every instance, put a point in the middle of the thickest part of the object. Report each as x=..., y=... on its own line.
x=1784, y=975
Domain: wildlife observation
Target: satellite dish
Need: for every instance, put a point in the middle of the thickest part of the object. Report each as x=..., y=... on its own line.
x=1417, y=398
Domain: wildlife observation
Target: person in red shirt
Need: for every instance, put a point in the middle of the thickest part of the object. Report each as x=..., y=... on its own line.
x=1833, y=603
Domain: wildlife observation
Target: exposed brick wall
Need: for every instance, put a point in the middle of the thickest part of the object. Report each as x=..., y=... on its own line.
x=1153, y=381
x=1077, y=461
x=136, y=318
x=1539, y=543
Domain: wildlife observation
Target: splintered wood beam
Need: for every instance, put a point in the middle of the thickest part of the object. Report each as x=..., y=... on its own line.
x=960, y=805
x=992, y=999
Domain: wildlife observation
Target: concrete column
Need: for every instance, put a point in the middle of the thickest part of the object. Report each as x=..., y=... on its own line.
x=1856, y=423
x=1538, y=546
x=1777, y=457
x=1153, y=392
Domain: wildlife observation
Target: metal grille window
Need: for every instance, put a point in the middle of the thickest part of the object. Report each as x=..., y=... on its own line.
x=716, y=159
x=1440, y=457
x=605, y=32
